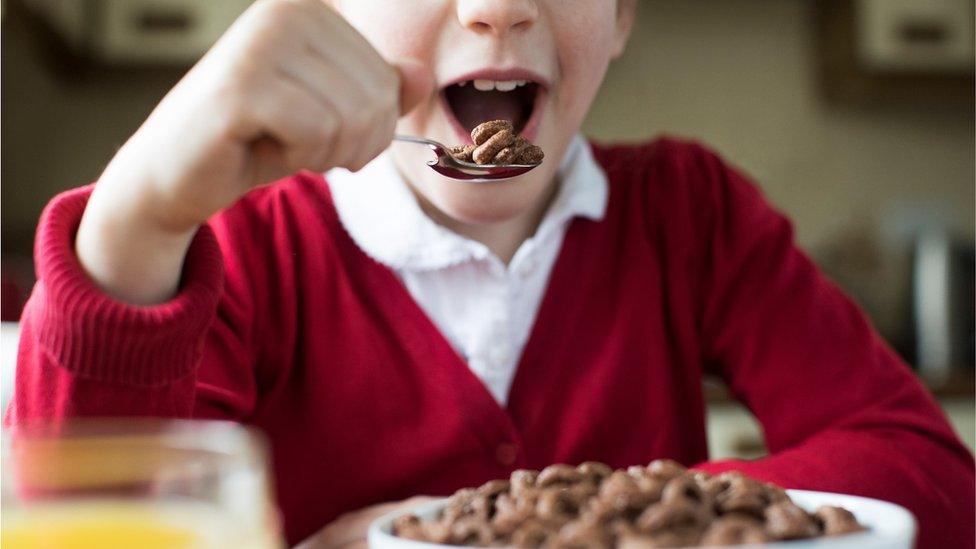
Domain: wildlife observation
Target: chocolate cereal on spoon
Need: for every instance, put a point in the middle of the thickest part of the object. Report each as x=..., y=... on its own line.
x=496, y=143
x=496, y=155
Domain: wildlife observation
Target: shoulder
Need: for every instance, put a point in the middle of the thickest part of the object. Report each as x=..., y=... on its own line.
x=674, y=175
x=685, y=195
x=663, y=161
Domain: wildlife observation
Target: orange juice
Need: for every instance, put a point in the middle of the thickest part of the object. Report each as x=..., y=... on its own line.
x=109, y=524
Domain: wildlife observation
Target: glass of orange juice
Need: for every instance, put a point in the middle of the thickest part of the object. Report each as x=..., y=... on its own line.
x=136, y=483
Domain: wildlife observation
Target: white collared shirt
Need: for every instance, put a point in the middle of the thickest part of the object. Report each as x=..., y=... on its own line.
x=483, y=307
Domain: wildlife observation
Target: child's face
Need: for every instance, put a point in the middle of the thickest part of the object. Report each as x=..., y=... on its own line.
x=561, y=47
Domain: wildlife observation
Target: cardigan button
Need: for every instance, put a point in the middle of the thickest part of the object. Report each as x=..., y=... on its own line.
x=506, y=454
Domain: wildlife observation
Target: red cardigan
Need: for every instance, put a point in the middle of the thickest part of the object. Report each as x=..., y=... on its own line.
x=283, y=323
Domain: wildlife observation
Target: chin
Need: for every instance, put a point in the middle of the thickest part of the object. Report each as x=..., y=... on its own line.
x=486, y=203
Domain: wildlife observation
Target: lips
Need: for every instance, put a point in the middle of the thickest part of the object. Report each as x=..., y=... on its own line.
x=513, y=95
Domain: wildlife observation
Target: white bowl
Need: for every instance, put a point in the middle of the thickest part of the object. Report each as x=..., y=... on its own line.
x=889, y=526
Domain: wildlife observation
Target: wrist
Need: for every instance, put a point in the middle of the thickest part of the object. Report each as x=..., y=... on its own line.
x=126, y=252
x=131, y=193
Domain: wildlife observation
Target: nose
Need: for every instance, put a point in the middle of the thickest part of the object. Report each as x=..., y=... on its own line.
x=497, y=16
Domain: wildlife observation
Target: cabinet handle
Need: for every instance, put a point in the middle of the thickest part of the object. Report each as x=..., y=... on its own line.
x=164, y=21
x=923, y=33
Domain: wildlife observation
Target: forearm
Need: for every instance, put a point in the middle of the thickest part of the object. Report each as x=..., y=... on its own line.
x=123, y=248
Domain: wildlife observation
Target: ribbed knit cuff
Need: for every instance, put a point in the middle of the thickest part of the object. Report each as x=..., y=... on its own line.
x=100, y=338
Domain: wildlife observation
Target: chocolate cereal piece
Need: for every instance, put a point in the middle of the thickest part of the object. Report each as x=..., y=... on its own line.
x=786, y=520
x=485, y=152
x=531, y=534
x=482, y=132
x=583, y=533
x=837, y=521
x=508, y=155
x=522, y=481
x=667, y=516
x=666, y=468
x=463, y=152
x=471, y=531
x=531, y=154
x=493, y=488
x=682, y=489
x=741, y=495
x=678, y=537
x=593, y=471
x=409, y=526
x=734, y=530
x=558, y=474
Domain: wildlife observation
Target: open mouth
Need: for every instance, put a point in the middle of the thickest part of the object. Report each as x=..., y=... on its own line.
x=471, y=102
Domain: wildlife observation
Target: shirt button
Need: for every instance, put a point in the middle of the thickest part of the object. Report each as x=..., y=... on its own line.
x=506, y=454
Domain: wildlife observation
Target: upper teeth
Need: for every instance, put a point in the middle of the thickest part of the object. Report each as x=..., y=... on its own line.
x=500, y=85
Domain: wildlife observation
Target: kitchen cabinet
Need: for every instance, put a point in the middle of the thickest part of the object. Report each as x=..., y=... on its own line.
x=895, y=51
x=136, y=32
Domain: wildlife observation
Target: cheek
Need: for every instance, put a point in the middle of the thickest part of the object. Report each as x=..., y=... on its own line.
x=397, y=29
x=584, y=34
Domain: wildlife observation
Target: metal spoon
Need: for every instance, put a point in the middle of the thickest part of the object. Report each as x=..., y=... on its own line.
x=448, y=166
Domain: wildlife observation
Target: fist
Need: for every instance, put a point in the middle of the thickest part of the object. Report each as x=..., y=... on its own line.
x=290, y=86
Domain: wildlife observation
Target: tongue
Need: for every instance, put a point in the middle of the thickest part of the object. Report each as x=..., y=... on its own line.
x=472, y=107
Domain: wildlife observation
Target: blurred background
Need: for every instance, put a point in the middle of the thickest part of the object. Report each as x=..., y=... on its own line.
x=856, y=117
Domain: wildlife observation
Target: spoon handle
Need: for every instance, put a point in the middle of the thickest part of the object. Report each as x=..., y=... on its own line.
x=439, y=148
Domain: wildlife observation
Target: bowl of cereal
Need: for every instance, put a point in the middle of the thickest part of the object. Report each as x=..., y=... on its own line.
x=660, y=505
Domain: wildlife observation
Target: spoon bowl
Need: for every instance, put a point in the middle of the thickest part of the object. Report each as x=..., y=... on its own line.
x=448, y=166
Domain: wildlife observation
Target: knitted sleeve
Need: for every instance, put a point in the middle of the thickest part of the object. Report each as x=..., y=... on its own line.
x=83, y=353
x=840, y=410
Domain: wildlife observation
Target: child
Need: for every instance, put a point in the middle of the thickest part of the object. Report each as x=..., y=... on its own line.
x=394, y=332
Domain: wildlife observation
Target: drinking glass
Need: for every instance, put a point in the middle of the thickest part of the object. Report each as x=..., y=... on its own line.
x=146, y=483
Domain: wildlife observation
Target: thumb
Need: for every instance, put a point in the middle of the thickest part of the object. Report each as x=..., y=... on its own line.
x=416, y=83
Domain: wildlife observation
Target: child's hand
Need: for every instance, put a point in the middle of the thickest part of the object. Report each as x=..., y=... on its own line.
x=290, y=86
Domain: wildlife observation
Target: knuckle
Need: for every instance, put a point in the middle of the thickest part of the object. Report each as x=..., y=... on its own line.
x=247, y=68
x=276, y=17
x=268, y=11
x=280, y=7
x=255, y=48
